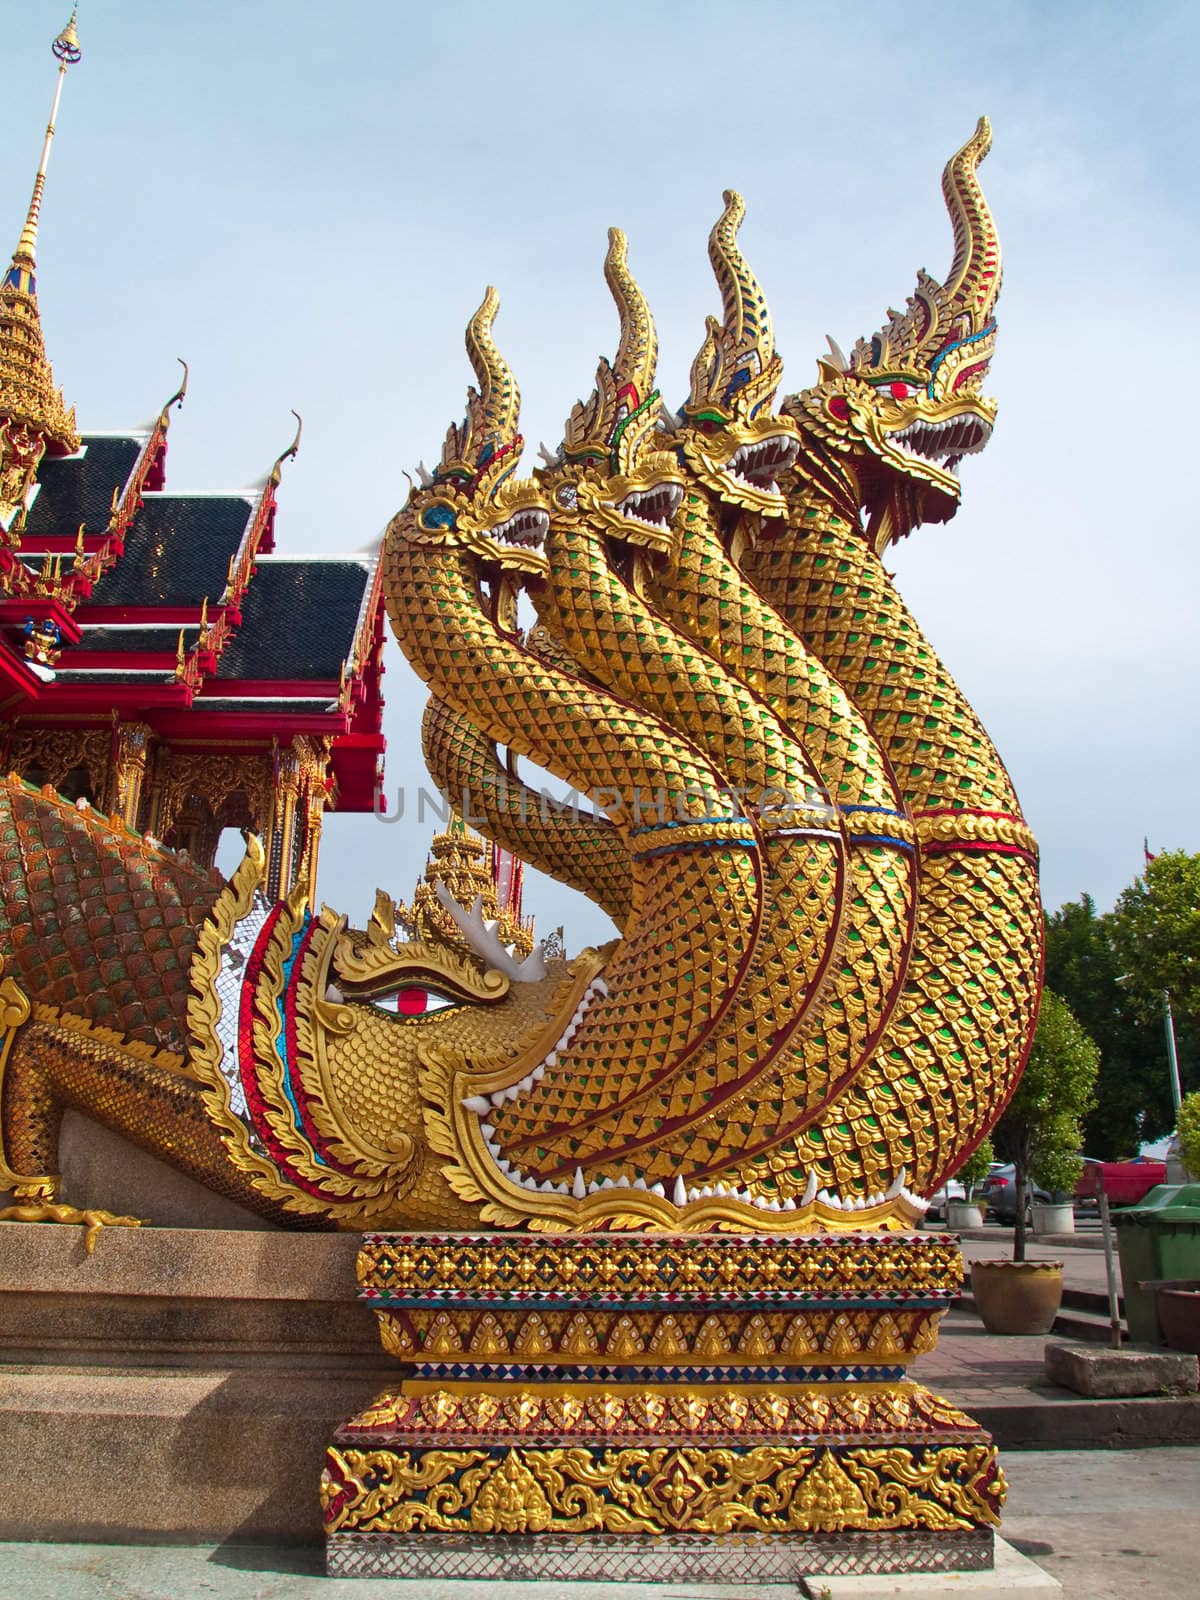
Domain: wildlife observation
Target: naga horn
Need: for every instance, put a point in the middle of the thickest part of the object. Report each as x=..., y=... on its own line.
x=741, y=348
x=746, y=319
x=499, y=399
x=637, y=354
x=974, y=278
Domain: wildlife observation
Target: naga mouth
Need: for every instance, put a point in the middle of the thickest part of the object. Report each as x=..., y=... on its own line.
x=759, y=465
x=655, y=507
x=527, y=529
x=943, y=443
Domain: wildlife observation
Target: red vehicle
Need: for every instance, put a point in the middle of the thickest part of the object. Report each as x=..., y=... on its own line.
x=1124, y=1182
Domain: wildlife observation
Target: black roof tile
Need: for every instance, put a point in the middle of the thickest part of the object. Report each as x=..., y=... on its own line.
x=84, y=675
x=297, y=705
x=298, y=621
x=176, y=552
x=77, y=489
x=141, y=640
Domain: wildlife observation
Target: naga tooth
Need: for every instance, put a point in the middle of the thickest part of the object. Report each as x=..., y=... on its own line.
x=578, y=1186
x=606, y=1183
x=487, y=1130
x=679, y=1192
x=477, y=1103
x=810, y=1190
x=334, y=995
x=789, y=1204
x=657, y=1188
x=774, y=1204
x=505, y=1166
x=639, y=1183
x=600, y=986
x=896, y=1188
x=622, y=1182
x=512, y=1091
x=594, y=1187
x=424, y=475
x=498, y=1098
x=538, y=1073
x=551, y=1060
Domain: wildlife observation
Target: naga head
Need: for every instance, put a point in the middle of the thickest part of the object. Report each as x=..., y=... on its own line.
x=312, y=1041
x=612, y=468
x=474, y=503
x=901, y=413
x=728, y=433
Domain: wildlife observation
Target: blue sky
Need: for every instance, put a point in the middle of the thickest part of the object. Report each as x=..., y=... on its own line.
x=306, y=202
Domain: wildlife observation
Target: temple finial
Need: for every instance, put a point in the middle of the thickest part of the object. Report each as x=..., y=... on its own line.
x=67, y=51
x=34, y=420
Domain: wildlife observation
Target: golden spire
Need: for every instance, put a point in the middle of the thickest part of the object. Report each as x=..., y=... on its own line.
x=31, y=406
x=459, y=858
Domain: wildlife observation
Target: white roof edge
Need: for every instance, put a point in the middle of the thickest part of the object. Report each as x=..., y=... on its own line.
x=250, y=496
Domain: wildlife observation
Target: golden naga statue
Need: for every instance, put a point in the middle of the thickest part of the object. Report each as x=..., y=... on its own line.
x=829, y=955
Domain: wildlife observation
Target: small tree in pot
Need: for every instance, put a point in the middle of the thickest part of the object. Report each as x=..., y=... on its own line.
x=1041, y=1129
x=975, y=1168
x=965, y=1213
x=1040, y=1134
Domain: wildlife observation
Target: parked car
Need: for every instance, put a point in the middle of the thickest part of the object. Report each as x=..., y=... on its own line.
x=1124, y=1182
x=998, y=1193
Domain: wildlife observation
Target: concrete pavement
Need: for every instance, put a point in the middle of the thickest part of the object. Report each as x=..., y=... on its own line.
x=1107, y=1524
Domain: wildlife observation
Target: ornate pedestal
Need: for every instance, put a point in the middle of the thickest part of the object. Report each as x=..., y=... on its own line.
x=658, y=1408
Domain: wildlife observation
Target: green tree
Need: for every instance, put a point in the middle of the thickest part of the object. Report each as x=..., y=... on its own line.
x=1155, y=933
x=975, y=1168
x=1189, y=1135
x=1041, y=1129
x=1133, y=1097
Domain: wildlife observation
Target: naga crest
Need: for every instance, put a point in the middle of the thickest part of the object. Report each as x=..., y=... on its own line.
x=730, y=438
x=474, y=500
x=908, y=405
x=612, y=463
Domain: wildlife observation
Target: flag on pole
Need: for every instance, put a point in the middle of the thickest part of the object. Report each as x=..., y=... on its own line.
x=1147, y=852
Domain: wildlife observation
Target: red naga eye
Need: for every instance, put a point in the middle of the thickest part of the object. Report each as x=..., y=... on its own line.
x=416, y=1001
x=839, y=407
x=900, y=391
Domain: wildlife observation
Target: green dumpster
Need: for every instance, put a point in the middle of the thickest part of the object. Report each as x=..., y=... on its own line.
x=1158, y=1238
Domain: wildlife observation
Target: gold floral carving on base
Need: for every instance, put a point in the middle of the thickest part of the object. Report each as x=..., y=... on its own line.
x=582, y=1489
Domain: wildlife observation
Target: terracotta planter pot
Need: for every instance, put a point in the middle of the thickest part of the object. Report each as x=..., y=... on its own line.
x=1178, y=1312
x=1017, y=1297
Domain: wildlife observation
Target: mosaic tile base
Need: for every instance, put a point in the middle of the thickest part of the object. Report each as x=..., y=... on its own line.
x=660, y=1558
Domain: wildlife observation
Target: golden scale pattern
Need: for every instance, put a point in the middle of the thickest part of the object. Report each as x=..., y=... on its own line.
x=959, y=1034
x=570, y=845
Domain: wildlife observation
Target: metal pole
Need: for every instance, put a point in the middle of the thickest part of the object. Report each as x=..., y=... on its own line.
x=1110, y=1267
x=1172, y=1054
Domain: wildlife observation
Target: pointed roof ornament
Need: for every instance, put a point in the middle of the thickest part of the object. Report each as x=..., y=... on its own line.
x=285, y=455
x=29, y=399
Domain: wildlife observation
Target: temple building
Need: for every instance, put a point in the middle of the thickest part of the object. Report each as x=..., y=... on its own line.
x=471, y=869
x=159, y=658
